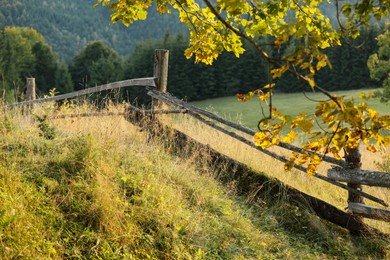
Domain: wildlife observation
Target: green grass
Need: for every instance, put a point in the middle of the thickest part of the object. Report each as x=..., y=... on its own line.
x=249, y=113
x=96, y=189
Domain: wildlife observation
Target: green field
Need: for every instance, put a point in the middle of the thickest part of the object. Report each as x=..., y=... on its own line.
x=249, y=113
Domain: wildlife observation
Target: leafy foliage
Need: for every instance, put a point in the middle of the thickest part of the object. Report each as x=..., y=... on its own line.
x=17, y=59
x=210, y=33
x=300, y=32
x=345, y=127
x=49, y=73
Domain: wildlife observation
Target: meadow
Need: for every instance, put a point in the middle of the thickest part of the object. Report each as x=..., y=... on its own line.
x=249, y=113
x=97, y=188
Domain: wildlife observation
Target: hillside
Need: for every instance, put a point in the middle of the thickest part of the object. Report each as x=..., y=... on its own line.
x=69, y=25
x=95, y=188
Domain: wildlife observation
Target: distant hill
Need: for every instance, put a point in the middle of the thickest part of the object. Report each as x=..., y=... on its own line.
x=68, y=25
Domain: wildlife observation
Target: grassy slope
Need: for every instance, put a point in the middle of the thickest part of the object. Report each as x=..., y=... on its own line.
x=99, y=190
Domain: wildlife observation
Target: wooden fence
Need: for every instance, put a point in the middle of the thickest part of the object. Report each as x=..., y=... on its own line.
x=341, y=174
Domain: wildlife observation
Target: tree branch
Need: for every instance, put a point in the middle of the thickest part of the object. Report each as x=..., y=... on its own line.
x=264, y=54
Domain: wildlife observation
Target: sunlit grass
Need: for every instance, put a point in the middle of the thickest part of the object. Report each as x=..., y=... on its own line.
x=273, y=168
x=99, y=189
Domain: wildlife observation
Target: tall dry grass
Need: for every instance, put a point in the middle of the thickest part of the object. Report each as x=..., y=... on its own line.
x=274, y=168
x=100, y=189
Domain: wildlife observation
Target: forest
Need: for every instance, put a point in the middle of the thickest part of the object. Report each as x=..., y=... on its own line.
x=68, y=26
x=71, y=45
x=25, y=53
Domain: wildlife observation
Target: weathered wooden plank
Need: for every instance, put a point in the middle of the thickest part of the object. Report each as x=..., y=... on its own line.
x=161, y=59
x=353, y=161
x=97, y=114
x=31, y=92
x=148, y=82
x=158, y=111
x=358, y=176
x=369, y=211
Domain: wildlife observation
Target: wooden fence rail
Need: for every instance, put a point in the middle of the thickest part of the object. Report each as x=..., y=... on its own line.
x=357, y=176
x=247, y=182
x=145, y=82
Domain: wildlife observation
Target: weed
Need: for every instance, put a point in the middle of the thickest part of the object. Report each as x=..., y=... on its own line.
x=384, y=165
x=47, y=131
x=7, y=125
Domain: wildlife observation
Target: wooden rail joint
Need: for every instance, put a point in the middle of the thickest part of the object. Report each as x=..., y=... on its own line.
x=363, y=177
x=138, y=116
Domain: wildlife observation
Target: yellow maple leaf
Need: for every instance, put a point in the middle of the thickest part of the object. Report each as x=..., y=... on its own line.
x=371, y=148
x=264, y=97
x=311, y=169
x=290, y=136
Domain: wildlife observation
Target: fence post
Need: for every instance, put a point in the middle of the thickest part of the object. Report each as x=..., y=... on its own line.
x=161, y=58
x=353, y=161
x=30, y=93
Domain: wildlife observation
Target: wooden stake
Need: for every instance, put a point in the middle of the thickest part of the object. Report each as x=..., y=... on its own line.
x=30, y=93
x=353, y=161
x=161, y=58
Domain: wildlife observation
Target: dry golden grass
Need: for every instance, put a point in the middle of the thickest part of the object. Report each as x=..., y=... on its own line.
x=273, y=168
x=137, y=201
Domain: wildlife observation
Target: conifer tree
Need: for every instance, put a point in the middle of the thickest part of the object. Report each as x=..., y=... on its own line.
x=379, y=64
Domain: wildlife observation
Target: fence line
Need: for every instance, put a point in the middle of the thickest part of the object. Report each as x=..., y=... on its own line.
x=158, y=111
x=149, y=82
x=247, y=181
x=177, y=102
x=88, y=115
x=150, y=111
x=195, y=113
